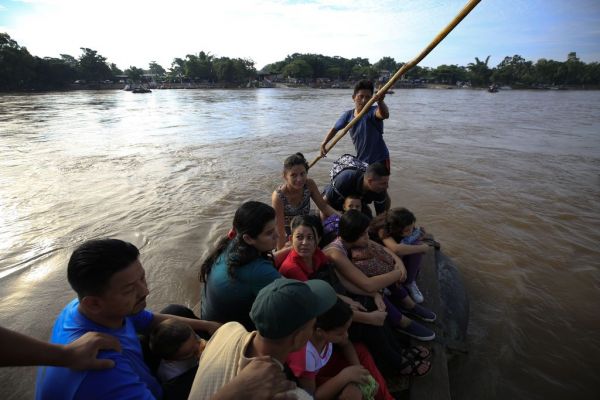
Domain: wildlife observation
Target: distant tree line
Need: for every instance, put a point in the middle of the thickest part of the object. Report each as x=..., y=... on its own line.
x=513, y=71
x=19, y=70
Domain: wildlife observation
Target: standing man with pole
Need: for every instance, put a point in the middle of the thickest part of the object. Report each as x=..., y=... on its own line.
x=367, y=132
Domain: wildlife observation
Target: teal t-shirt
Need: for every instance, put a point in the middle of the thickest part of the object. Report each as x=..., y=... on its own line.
x=226, y=299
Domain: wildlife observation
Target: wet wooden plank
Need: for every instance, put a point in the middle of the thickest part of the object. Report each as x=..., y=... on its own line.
x=436, y=384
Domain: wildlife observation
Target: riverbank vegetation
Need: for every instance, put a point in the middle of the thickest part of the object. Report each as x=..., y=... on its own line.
x=19, y=70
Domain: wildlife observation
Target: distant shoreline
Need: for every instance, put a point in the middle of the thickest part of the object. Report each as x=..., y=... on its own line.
x=204, y=86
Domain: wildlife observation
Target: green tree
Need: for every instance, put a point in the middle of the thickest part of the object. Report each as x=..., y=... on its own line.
x=16, y=64
x=297, y=69
x=449, y=74
x=591, y=74
x=135, y=74
x=574, y=70
x=386, y=63
x=514, y=70
x=416, y=72
x=333, y=73
x=176, y=72
x=224, y=69
x=244, y=69
x=53, y=73
x=69, y=60
x=547, y=72
x=479, y=72
x=115, y=70
x=199, y=67
x=156, y=69
x=92, y=66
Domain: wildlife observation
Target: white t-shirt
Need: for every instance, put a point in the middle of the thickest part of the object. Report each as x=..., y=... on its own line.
x=307, y=361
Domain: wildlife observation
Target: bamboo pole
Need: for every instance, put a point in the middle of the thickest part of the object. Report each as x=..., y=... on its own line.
x=405, y=68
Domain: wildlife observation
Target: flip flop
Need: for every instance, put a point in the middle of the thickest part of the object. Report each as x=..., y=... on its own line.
x=416, y=353
x=414, y=368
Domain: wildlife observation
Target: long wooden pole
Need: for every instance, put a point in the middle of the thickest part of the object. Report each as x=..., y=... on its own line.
x=405, y=68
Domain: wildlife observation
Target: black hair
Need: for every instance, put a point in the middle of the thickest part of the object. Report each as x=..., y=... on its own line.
x=293, y=160
x=167, y=337
x=392, y=222
x=364, y=84
x=353, y=224
x=353, y=197
x=310, y=221
x=377, y=170
x=338, y=315
x=250, y=219
x=93, y=263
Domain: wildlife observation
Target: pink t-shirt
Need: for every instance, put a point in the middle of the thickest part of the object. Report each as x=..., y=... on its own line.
x=306, y=362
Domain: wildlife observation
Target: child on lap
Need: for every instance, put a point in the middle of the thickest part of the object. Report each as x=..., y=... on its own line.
x=332, y=329
x=178, y=347
x=331, y=224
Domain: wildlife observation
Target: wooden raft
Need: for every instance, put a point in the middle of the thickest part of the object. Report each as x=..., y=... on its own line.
x=436, y=384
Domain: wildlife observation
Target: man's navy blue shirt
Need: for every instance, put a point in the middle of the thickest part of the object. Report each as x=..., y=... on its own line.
x=367, y=136
x=350, y=182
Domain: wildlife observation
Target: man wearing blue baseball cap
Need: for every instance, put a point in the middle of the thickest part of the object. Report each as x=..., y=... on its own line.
x=284, y=314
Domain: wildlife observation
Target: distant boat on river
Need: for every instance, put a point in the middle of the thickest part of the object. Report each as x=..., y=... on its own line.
x=141, y=90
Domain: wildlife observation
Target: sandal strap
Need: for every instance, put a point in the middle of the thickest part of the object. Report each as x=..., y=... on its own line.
x=414, y=367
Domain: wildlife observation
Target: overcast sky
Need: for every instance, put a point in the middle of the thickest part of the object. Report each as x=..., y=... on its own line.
x=135, y=32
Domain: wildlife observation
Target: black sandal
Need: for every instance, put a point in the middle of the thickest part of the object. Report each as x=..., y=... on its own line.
x=416, y=353
x=414, y=368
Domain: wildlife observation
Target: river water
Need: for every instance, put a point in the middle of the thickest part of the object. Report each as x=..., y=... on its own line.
x=509, y=183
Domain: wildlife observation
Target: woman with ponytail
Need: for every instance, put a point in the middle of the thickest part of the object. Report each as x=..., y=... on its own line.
x=241, y=264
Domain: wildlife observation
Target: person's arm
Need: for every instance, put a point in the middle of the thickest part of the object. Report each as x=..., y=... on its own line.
x=402, y=249
x=379, y=303
x=280, y=255
x=334, y=386
x=279, y=220
x=398, y=264
x=375, y=318
x=344, y=266
x=196, y=324
x=349, y=352
x=360, y=313
x=261, y=379
x=17, y=350
x=382, y=112
x=321, y=204
x=328, y=137
x=308, y=384
x=349, y=286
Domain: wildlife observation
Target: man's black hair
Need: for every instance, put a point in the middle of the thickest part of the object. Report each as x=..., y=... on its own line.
x=94, y=262
x=364, y=84
x=377, y=170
